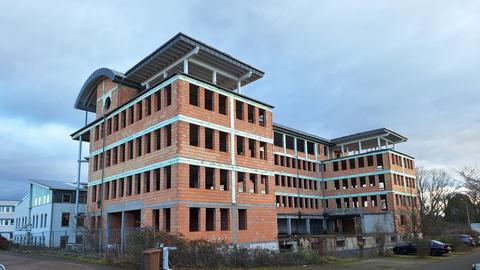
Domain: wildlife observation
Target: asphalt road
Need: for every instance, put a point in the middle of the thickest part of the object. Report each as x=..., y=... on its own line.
x=454, y=263
x=37, y=262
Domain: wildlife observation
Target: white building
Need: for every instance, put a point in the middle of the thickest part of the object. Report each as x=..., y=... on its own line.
x=7, y=213
x=46, y=215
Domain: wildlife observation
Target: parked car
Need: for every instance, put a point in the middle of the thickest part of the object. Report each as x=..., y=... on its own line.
x=476, y=266
x=437, y=248
x=465, y=239
x=405, y=249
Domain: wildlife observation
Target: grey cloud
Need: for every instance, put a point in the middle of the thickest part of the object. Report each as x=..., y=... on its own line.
x=332, y=68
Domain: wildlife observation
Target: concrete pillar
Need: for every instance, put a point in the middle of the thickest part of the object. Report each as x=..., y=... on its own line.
x=307, y=222
x=122, y=233
x=107, y=228
x=289, y=226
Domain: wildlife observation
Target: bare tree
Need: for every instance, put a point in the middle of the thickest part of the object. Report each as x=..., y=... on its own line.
x=433, y=186
x=471, y=182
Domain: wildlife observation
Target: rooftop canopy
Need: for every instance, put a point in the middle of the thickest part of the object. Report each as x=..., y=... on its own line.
x=181, y=54
x=383, y=133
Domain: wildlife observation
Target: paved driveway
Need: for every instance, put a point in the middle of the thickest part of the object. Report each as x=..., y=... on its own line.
x=36, y=262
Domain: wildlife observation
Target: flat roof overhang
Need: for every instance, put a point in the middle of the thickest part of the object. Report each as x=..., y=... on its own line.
x=383, y=133
x=202, y=63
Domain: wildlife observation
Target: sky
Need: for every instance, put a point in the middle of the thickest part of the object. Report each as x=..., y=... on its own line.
x=332, y=68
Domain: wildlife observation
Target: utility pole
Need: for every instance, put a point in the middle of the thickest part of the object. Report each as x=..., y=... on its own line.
x=468, y=216
x=79, y=171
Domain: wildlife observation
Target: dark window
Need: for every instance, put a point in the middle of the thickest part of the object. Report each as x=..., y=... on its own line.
x=168, y=94
x=242, y=219
x=148, y=142
x=251, y=113
x=194, y=219
x=139, y=146
x=168, y=131
x=146, y=181
x=194, y=135
x=65, y=219
x=210, y=178
x=262, y=117
x=289, y=142
x=130, y=115
x=352, y=163
x=278, y=139
x=224, y=180
x=158, y=99
x=361, y=162
x=370, y=160
x=210, y=219
x=252, y=147
x=209, y=138
x=137, y=184
x=379, y=160
x=337, y=184
x=240, y=145
x=139, y=110
x=156, y=174
x=66, y=198
x=300, y=145
x=311, y=148
x=335, y=166
x=129, y=185
x=222, y=104
x=193, y=94
x=168, y=177
x=166, y=219
x=363, y=182
x=239, y=109
x=371, y=179
x=158, y=139
x=148, y=105
x=193, y=176
x=325, y=150
x=224, y=219
x=344, y=164
x=223, y=138
x=208, y=100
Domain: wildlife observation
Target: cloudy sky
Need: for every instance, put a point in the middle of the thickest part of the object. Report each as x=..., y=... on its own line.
x=332, y=68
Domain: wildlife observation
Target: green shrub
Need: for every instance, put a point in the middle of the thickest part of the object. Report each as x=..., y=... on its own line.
x=213, y=255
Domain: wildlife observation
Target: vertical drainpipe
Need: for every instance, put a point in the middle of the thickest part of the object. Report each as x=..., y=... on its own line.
x=234, y=173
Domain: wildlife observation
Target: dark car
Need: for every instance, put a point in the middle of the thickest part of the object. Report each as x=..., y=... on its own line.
x=437, y=248
x=405, y=249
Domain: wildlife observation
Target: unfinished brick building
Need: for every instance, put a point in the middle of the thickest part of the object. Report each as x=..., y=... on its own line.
x=176, y=146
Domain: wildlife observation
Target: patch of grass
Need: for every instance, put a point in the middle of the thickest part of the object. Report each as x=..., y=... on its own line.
x=86, y=259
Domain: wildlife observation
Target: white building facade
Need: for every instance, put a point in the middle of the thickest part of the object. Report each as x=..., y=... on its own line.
x=47, y=214
x=7, y=218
